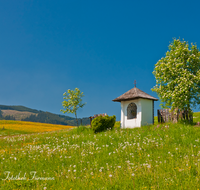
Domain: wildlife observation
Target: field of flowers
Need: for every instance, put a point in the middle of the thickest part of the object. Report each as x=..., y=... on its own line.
x=9, y=127
x=163, y=156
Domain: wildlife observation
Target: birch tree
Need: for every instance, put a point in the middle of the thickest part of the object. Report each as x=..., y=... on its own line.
x=178, y=76
x=72, y=102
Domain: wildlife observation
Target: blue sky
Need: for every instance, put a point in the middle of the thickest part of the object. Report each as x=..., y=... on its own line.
x=101, y=47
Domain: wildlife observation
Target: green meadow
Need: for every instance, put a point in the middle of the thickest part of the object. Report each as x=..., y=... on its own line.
x=160, y=156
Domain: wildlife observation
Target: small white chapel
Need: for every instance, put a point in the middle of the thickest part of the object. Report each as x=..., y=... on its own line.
x=137, y=108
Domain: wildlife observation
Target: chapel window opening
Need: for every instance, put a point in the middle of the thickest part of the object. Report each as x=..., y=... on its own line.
x=131, y=111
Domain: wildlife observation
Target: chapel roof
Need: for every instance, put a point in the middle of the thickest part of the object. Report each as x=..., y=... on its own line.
x=134, y=93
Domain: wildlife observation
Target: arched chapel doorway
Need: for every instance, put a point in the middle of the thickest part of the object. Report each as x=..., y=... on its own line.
x=132, y=111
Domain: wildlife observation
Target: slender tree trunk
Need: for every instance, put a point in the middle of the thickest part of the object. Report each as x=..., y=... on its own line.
x=190, y=114
x=187, y=112
x=188, y=108
x=76, y=119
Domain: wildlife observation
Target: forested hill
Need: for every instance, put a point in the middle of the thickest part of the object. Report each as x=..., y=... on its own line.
x=19, y=108
x=27, y=114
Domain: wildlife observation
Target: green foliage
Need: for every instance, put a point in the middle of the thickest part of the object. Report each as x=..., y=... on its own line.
x=1, y=116
x=101, y=123
x=9, y=117
x=47, y=117
x=178, y=76
x=72, y=101
x=117, y=124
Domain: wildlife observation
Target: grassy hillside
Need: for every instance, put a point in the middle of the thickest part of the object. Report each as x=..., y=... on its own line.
x=151, y=157
x=18, y=115
x=18, y=108
x=28, y=114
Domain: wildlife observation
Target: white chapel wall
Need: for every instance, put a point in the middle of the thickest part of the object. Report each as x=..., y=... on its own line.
x=130, y=123
x=147, y=111
x=122, y=115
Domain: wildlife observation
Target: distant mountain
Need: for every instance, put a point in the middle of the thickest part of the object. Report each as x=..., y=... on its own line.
x=27, y=114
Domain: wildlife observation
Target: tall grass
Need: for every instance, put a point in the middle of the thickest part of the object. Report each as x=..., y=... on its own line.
x=196, y=117
x=151, y=157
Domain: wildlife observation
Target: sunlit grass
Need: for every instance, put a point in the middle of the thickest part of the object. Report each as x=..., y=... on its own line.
x=164, y=156
x=117, y=124
x=196, y=117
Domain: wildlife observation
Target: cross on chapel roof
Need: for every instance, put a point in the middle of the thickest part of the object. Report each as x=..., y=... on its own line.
x=134, y=83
